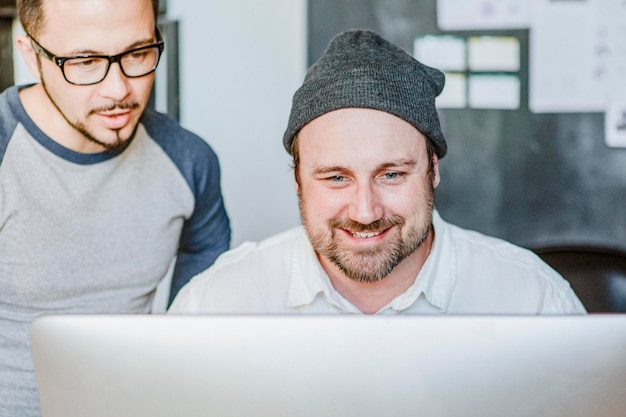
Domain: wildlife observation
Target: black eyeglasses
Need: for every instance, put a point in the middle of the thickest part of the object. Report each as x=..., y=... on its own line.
x=92, y=69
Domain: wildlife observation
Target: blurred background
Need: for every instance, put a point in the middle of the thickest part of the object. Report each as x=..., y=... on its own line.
x=531, y=109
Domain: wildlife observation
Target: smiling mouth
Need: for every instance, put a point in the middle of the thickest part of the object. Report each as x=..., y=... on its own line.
x=365, y=235
x=359, y=231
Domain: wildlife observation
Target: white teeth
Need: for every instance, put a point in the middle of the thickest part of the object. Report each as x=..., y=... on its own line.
x=365, y=235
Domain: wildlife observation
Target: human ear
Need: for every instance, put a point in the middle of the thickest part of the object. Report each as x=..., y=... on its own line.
x=296, y=187
x=28, y=54
x=436, y=177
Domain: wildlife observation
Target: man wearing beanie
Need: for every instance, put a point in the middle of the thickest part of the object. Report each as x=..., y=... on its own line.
x=366, y=143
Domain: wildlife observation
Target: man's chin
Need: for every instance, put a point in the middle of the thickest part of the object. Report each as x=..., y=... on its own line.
x=365, y=270
x=115, y=140
x=116, y=147
x=112, y=145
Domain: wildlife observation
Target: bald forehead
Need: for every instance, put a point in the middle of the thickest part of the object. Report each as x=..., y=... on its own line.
x=359, y=122
x=349, y=136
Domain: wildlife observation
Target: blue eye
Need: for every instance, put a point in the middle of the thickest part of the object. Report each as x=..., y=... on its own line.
x=391, y=175
x=337, y=178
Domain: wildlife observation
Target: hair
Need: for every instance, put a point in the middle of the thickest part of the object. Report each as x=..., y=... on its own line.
x=33, y=19
x=295, y=152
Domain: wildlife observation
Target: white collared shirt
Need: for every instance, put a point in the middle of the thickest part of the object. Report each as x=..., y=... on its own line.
x=466, y=272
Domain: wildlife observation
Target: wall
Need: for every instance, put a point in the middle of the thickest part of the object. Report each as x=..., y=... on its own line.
x=240, y=63
x=534, y=179
x=6, y=75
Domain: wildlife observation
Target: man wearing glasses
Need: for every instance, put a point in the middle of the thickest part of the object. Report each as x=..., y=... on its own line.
x=98, y=195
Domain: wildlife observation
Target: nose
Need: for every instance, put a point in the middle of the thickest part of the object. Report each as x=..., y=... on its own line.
x=366, y=206
x=115, y=85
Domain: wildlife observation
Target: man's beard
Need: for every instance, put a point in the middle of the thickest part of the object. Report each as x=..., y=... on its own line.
x=115, y=146
x=370, y=265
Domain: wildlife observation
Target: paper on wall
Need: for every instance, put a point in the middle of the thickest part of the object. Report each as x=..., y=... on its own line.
x=494, y=92
x=615, y=124
x=613, y=14
x=454, y=94
x=483, y=14
x=493, y=53
x=576, y=50
x=446, y=53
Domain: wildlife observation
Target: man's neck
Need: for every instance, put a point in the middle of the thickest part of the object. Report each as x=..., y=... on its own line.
x=371, y=297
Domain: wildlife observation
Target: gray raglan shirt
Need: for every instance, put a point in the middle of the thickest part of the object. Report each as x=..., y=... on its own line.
x=96, y=233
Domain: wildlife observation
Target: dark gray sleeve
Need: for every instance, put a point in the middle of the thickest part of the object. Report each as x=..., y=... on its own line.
x=206, y=234
x=8, y=120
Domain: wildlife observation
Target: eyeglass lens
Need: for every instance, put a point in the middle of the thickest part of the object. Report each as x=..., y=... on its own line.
x=91, y=70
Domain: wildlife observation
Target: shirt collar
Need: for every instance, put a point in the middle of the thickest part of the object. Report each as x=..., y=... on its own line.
x=309, y=281
x=307, y=277
x=437, y=278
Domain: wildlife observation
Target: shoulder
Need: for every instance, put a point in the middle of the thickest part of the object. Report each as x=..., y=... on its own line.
x=516, y=275
x=241, y=279
x=172, y=137
x=8, y=120
x=263, y=257
x=476, y=247
x=192, y=155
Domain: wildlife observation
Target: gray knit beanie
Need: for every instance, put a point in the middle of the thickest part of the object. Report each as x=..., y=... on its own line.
x=360, y=69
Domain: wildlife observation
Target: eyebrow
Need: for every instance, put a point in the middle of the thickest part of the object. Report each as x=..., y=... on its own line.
x=327, y=169
x=408, y=163
x=134, y=45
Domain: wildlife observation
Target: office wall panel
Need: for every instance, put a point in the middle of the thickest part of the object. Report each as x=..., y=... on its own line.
x=531, y=178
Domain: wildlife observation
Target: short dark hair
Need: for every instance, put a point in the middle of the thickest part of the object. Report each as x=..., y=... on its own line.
x=32, y=18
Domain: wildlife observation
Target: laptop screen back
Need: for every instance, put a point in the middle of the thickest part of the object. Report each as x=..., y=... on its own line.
x=271, y=366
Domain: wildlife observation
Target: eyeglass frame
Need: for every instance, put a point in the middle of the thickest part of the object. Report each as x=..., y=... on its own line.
x=60, y=61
